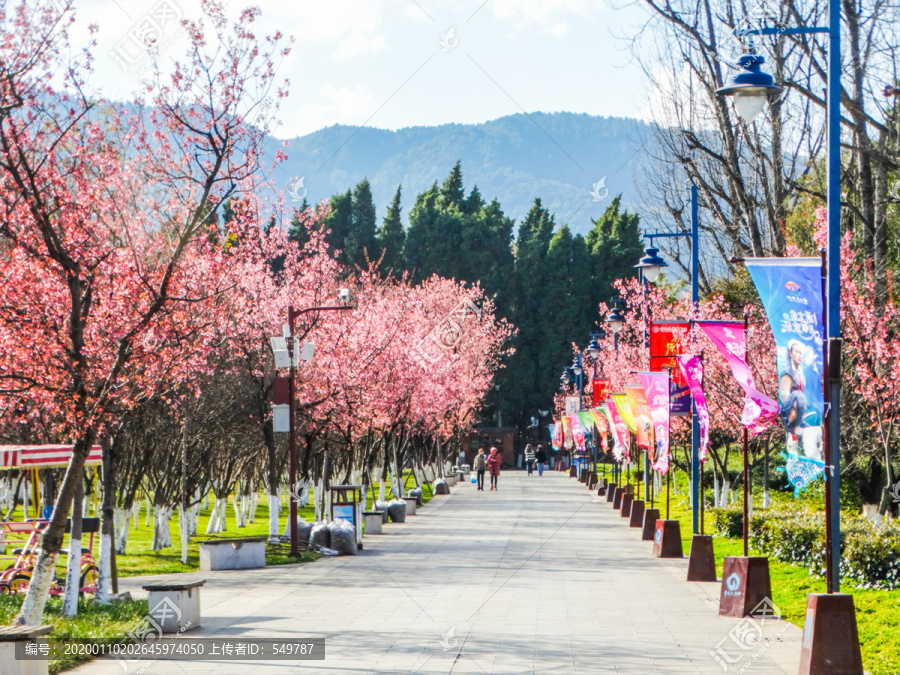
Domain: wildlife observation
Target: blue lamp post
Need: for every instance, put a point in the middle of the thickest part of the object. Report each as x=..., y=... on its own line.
x=651, y=265
x=830, y=640
x=750, y=89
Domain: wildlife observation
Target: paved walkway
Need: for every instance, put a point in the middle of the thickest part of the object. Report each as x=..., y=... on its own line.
x=534, y=578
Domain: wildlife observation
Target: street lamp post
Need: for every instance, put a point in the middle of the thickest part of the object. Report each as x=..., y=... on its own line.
x=651, y=265
x=753, y=85
x=344, y=296
x=831, y=640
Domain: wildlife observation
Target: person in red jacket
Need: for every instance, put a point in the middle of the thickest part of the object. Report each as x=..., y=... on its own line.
x=494, y=461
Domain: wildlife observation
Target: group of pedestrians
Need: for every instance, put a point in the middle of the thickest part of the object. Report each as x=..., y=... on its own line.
x=491, y=463
x=532, y=457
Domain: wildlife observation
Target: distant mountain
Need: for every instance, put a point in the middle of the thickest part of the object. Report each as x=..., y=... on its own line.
x=558, y=157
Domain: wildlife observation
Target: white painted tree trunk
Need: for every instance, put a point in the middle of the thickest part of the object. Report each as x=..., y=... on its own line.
x=254, y=504
x=206, y=500
x=726, y=492
x=147, y=517
x=317, y=493
x=274, y=503
x=238, y=510
x=136, y=513
x=104, y=573
x=73, y=578
x=218, y=521
x=186, y=528
x=749, y=507
x=381, y=491
x=32, y=610
x=162, y=534
x=121, y=523
x=716, y=495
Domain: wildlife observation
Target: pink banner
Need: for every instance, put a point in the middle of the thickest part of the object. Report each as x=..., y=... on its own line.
x=731, y=341
x=656, y=387
x=623, y=438
x=692, y=367
x=577, y=431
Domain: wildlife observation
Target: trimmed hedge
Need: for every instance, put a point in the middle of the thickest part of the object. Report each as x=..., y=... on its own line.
x=870, y=555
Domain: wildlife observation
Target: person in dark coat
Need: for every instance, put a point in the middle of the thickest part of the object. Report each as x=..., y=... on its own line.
x=541, y=458
x=494, y=461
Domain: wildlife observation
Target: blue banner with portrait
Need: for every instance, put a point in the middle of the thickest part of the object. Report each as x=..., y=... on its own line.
x=791, y=292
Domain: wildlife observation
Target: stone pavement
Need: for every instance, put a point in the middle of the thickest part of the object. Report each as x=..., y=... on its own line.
x=533, y=578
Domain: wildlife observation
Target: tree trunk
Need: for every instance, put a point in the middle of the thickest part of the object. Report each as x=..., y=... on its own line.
x=32, y=609
x=162, y=534
x=107, y=524
x=73, y=564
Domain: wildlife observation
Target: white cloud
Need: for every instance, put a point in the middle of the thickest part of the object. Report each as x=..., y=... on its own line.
x=557, y=30
x=525, y=12
x=359, y=43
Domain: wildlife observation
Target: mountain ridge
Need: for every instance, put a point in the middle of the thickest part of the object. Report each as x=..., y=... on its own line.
x=555, y=156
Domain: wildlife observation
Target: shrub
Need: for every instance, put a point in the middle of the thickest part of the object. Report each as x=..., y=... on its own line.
x=870, y=555
x=728, y=522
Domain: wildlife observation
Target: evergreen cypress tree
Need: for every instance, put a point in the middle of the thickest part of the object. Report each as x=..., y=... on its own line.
x=615, y=246
x=452, y=189
x=361, y=236
x=391, y=238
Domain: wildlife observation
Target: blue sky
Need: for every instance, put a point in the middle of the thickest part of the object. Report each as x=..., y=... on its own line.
x=397, y=63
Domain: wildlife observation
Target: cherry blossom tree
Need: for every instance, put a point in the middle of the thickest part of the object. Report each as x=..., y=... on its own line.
x=100, y=216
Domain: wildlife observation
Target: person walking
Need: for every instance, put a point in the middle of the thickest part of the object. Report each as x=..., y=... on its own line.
x=479, y=465
x=541, y=458
x=529, y=459
x=494, y=461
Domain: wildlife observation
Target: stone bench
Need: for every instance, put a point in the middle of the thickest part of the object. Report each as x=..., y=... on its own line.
x=22, y=636
x=232, y=554
x=175, y=606
x=373, y=521
x=411, y=505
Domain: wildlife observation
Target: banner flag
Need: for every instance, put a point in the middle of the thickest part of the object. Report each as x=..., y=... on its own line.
x=623, y=439
x=602, y=424
x=600, y=391
x=791, y=292
x=801, y=471
x=642, y=419
x=656, y=388
x=625, y=411
x=587, y=420
x=667, y=340
x=730, y=339
x=568, y=441
x=556, y=437
x=577, y=432
x=692, y=368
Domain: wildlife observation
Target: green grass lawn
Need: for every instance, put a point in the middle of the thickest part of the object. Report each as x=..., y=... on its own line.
x=93, y=621
x=877, y=611
x=140, y=559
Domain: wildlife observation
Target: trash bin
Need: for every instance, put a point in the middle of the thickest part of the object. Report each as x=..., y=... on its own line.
x=346, y=503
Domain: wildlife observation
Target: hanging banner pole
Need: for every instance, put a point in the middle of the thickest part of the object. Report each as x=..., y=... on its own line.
x=746, y=462
x=828, y=473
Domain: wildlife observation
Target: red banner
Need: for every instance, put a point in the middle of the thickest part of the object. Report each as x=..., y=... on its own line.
x=668, y=339
x=601, y=391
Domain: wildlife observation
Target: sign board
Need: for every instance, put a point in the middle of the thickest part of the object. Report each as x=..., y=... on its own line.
x=573, y=404
x=281, y=418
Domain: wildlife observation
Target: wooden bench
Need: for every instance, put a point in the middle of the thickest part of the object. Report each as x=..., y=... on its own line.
x=232, y=554
x=175, y=606
x=10, y=637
